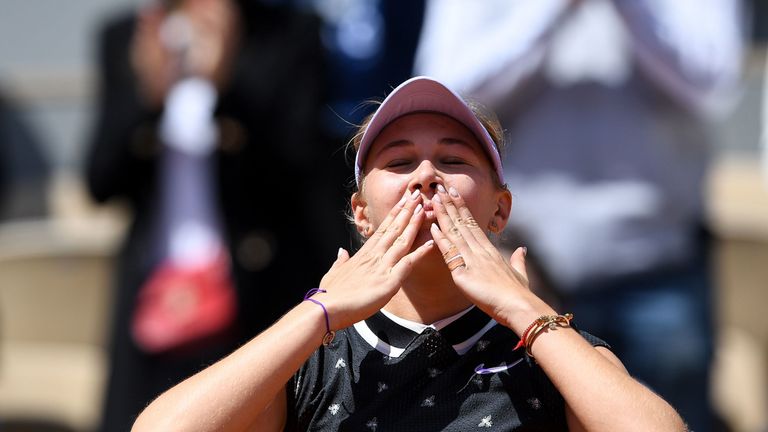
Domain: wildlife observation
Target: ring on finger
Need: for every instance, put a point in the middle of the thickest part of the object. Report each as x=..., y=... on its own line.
x=451, y=253
x=456, y=262
x=471, y=222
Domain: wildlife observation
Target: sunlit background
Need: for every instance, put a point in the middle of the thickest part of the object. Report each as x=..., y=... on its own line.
x=55, y=245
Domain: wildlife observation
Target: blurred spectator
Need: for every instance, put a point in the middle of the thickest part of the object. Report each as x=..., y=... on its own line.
x=369, y=48
x=24, y=169
x=264, y=64
x=607, y=104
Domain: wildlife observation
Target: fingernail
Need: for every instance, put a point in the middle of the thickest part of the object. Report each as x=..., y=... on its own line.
x=415, y=194
x=452, y=190
x=434, y=226
x=402, y=201
x=339, y=253
x=440, y=188
x=429, y=243
x=436, y=198
x=418, y=209
x=525, y=251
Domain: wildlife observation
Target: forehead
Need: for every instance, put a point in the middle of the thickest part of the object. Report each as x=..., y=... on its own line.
x=424, y=129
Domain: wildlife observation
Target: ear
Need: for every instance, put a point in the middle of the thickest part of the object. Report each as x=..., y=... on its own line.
x=360, y=213
x=503, y=210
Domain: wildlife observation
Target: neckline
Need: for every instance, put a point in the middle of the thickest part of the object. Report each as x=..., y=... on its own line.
x=390, y=334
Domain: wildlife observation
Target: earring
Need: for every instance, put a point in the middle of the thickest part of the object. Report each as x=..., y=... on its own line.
x=367, y=231
x=493, y=227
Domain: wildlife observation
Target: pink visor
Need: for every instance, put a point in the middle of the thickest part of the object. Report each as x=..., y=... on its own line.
x=424, y=94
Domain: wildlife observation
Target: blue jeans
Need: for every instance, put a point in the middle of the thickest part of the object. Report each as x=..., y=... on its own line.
x=660, y=326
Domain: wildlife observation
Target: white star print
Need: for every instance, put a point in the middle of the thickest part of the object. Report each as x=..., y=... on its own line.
x=433, y=372
x=485, y=422
x=478, y=380
x=535, y=403
x=429, y=402
x=372, y=424
x=334, y=409
x=482, y=345
x=382, y=387
x=341, y=364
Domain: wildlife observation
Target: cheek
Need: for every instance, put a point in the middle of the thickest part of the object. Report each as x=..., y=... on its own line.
x=382, y=193
x=480, y=201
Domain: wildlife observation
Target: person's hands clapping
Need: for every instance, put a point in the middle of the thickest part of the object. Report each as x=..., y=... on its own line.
x=359, y=286
x=199, y=39
x=215, y=34
x=498, y=287
x=151, y=61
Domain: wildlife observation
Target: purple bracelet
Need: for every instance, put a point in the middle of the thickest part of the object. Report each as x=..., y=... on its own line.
x=329, y=335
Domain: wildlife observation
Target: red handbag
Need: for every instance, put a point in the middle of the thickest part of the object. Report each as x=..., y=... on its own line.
x=184, y=306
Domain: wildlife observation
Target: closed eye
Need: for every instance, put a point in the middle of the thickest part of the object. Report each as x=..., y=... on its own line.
x=397, y=163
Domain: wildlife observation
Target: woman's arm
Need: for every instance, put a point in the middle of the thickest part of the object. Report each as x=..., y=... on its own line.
x=233, y=393
x=599, y=393
x=245, y=390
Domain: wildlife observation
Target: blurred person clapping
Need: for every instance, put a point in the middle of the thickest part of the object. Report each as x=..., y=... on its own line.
x=184, y=38
x=232, y=90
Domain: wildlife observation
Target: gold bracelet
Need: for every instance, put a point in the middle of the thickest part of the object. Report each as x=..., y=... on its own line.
x=542, y=324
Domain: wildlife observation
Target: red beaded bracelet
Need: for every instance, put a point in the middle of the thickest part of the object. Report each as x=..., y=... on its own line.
x=538, y=325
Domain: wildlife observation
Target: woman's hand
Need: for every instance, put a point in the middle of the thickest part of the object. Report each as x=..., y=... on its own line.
x=357, y=287
x=498, y=287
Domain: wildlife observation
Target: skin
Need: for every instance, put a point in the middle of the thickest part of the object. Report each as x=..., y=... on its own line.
x=399, y=163
x=437, y=194
x=214, y=35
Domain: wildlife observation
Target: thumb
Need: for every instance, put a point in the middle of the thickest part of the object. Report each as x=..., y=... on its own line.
x=517, y=261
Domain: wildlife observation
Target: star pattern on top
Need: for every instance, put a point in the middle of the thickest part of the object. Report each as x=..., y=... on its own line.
x=485, y=422
x=334, y=409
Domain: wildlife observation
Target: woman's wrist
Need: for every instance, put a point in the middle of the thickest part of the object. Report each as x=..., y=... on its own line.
x=518, y=313
x=329, y=334
x=315, y=323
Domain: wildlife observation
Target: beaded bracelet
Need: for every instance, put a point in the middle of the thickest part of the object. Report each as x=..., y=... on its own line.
x=329, y=334
x=539, y=325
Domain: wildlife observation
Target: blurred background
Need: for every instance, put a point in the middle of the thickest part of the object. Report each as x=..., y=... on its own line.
x=57, y=247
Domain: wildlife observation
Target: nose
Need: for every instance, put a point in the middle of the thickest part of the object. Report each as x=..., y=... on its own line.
x=425, y=178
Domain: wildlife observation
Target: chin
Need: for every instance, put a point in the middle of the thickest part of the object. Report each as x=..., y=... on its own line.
x=422, y=237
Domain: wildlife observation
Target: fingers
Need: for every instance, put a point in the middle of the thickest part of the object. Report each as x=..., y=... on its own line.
x=403, y=268
x=456, y=221
x=517, y=261
x=446, y=216
x=395, y=222
x=402, y=243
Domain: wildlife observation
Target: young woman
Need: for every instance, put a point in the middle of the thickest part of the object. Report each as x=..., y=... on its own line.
x=427, y=326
